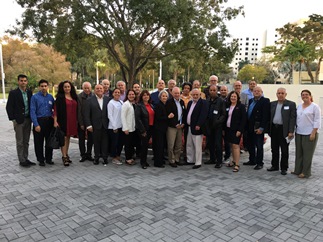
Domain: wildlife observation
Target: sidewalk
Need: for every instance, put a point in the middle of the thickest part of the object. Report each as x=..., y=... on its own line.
x=84, y=202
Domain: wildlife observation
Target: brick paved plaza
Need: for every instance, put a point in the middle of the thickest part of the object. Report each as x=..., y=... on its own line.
x=84, y=202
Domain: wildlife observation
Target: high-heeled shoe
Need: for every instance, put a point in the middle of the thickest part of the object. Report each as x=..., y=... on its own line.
x=68, y=158
x=65, y=161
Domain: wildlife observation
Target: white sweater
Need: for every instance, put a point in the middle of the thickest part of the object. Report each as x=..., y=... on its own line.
x=114, y=114
x=128, y=117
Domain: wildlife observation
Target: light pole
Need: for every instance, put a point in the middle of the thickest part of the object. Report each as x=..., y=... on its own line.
x=160, y=70
x=2, y=75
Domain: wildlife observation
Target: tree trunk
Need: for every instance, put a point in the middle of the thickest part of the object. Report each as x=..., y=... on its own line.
x=291, y=73
x=318, y=69
x=309, y=71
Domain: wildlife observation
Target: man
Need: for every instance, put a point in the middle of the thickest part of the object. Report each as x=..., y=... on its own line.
x=121, y=85
x=196, y=117
x=154, y=95
x=176, y=118
x=227, y=149
x=18, y=107
x=213, y=80
x=258, y=117
x=137, y=89
x=106, y=85
x=170, y=84
x=41, y=113
x=247, y=94
x=224, y=92
x=197, y=85
x=237, y=86
x=85, y=152
x=282, y=126
x=96, y=121
x=215, y=118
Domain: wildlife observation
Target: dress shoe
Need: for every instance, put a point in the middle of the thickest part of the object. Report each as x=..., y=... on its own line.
x=105, y=162
x=83, y=159
x=24, y=164
x=30, y=163
x=258, y=167
x=144, y=167
x=272, y=169
x=41, y=163
x=209, y=162
x=249, y=163
x=196, y=166
x=96, y=162
x=283, y=172
x=218, y=166
x=173, y=164
x=49, y=162
x=185, y=163
x=90, y=158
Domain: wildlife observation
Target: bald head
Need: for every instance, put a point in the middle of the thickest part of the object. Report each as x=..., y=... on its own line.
x=237, y=86
x=176, y=92
x=98, y=90
x=86, y=87
x=106, y=84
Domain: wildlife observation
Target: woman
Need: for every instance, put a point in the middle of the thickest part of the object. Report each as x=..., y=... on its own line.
x=308, y=121
x=65, y=115
x=160, y=128
x=235, y=123
x=128, y=125
x=186, y=93
x=115, y=126
x=144, y=124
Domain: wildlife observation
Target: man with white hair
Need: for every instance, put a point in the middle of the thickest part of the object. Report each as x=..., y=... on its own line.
x=106, y=85
x=154, y=95
x=121, y=85
x=170, y=84
x=85, y=152
x=213, y=80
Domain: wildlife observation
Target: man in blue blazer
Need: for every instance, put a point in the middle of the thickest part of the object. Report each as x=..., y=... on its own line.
x=196, y=117
x=257, y=122
x=18, y=107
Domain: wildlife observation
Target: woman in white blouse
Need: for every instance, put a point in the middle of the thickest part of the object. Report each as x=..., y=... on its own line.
x=115, y=127
x=308, y=122
x=129, y=125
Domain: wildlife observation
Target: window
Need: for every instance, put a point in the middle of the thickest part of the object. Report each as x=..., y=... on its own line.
x=246, y=58
x=246, y=48
x=247, y=43
x=246, y=53
x=247, y=38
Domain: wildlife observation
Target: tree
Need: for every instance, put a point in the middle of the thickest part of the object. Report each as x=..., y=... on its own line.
x=133, y=31
x=249, y=72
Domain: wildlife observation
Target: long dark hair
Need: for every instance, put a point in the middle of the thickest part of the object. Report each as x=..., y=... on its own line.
x=229, y=97
x=142, y=94
x=61, y=93
x=129, y=90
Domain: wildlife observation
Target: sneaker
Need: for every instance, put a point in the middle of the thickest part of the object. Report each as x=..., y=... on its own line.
x=226, y=160
x=116, y=162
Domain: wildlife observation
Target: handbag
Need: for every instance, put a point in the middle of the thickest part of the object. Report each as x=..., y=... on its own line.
x=55, y=139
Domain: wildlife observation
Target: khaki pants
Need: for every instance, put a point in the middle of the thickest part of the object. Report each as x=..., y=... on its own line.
x=304, y=154
x=194, y=148
x=22, y=138
x=174, y=144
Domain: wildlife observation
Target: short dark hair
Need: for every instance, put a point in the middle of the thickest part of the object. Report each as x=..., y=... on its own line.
x=187, y=84
x=22, y=76
x=42, y=81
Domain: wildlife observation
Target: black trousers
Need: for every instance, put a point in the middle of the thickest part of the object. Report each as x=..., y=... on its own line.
x=129, y=141
x=101, y=143
x=144, y=146
x=159, y=141
x=46, y=126
x=85, y=151
x=116, y=142
x=215, y=145
x=278, y=141
x=256, y=147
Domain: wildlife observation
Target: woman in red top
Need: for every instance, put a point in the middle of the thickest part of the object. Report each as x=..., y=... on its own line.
x=65, y=115
x=144, y=115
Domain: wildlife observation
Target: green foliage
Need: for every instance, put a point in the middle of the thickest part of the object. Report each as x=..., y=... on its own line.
x=249, y=72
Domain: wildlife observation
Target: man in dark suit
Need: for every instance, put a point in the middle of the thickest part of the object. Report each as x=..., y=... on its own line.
x=282, y=127
x=258, y=117
x=196, y=117
x=18, y=107
x=96, y=121
x=85, y=151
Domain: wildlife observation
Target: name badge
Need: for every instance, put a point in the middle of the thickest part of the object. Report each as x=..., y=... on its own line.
x=227, y=109
x=215, y=111
x=50, y=102
x=286, y=107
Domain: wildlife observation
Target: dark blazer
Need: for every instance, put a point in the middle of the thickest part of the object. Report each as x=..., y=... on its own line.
x=288, y=112
x=199, y=115
x=81, y=107
x=142, y=118
x=160, y=121
x=15, y=105
x=260, y=114
x=93, y=115
x=172, y=108
x=216, y=113
x=238, y=118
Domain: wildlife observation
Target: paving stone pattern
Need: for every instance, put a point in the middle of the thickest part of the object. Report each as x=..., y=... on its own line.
x=84, y=202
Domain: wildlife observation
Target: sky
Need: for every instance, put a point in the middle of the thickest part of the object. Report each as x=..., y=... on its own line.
x=259, y=14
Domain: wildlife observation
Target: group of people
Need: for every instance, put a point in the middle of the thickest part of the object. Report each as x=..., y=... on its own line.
x=173, y=120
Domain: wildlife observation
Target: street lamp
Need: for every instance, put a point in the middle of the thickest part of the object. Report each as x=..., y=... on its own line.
x=2, y=75
x=98, y=64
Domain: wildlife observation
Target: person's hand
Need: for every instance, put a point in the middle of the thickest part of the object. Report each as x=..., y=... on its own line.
x=144, y=134
x=171, y=115
x=56, y=124
x=126, y=132
x=115, y=131
x=37, y=129
x=90, y=129
x=258, y=131
x=290, y=135
x=312, y=137
x=82, y=127
x=197, y=127
x=238, y=134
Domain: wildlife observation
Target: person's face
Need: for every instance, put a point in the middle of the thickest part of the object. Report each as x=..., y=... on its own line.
x=281, y=95
x=252, y=85
x=161, y=85
x=213, y=91
x=224, y=92
x=213, y=81
x=171, y=85
x=186, y=89
x=196, y=85
x=163, y=97
x=67, y=87
x=116, y=94
x=233, y=98
x=87, y=89
x=257, y=92
x=98, y=90
x=195, y=95
x=306, y=97
x=237, y=87
x=131, y=96
x=121, y=86
x=136, y=88
x=176, y=93
x=145, y=98
x=43, y=88
x=22, y=83
x=106, y=85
